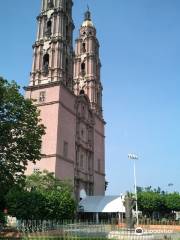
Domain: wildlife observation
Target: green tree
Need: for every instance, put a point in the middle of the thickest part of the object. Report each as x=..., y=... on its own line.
x=46, y=181
x=150, y=202
x=173, y=201
x=156, y=200
x=20, y=136
x=43, y=197
x=26, y=205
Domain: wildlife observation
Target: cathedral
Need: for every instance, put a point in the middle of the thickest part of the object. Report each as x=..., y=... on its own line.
x=66, y=86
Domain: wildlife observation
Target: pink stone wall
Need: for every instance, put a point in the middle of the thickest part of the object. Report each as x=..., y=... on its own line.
x=65, y=170
x=44, y=164
x=99, y=155
x=99, y=185
x=66, y=132
x=49, y=110
x=58, y=114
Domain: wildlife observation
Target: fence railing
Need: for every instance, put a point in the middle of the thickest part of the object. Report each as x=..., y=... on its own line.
x=66, y=230
x=90, y=230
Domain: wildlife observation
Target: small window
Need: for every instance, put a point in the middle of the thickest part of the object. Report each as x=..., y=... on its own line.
x=48, y=28
x=42, y=96
x=83, y=66
x=81, y=92
x=84, y=47
x=65, y=149
x=46, y=63
x=36, y=170
x=46, y=59
x=67, y=64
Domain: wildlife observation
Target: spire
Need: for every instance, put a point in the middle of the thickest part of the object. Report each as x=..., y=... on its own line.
x=87, y=77
x=87, y=19
x=87, y=15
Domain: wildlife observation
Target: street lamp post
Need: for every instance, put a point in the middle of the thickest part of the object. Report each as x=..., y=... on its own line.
x=135, y=157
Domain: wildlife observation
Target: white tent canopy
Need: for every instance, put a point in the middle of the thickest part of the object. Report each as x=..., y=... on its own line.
x=102, y=204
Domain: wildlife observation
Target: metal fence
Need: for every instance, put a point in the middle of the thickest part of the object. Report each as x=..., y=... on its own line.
x=32, y=229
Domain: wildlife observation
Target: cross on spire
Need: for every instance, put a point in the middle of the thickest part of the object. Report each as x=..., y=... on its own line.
x=87, y=15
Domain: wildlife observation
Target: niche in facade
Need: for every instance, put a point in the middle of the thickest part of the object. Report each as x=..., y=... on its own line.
x=46, y=64
x=48, y=28
x=82, y=92
x=83, y=66
x=83, y=47
x=50, y=4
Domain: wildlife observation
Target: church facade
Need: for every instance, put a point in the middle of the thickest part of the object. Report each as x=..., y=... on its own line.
x=65, y=85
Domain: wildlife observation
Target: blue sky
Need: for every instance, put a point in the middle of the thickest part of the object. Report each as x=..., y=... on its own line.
x=140, y=55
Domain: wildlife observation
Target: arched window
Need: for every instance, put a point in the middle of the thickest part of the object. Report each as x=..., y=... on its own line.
x=46, y=63
x=83, y=66
x=84, y=47
x=81, y=92
x=48, y=28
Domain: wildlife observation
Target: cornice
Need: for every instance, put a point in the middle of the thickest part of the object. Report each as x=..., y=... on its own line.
x=99, y=173
x=42, y=86
x=59, y=157
x=51, y=40
x=47, y=85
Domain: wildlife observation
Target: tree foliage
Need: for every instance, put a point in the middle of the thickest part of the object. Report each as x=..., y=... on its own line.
x=155, y=200
x=173, y=201
x=43, y=197
x=20, y=134
x=23, y=204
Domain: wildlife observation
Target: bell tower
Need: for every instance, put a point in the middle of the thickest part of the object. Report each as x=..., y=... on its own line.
x=53, y=50
x=51, y=88
x=87, y=64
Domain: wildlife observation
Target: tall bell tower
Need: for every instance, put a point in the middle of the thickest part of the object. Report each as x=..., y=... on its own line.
x=90, y=138
x=87, y=64
x=53, y=51
x=51, y=88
